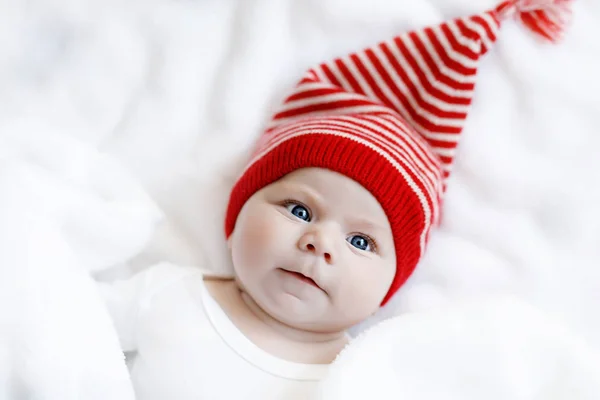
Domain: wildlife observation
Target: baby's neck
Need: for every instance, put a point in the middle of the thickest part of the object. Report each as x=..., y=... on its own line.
x=271, y=335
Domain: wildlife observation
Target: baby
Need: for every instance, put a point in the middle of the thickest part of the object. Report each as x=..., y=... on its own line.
x=327, y=221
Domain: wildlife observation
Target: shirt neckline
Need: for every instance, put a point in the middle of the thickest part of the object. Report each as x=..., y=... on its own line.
x=249, y=351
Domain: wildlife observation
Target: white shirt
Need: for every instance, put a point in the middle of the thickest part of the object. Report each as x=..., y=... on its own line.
x=186, y=347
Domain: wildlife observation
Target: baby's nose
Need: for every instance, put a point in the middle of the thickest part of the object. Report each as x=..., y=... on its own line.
x=318, y=243
x=312, y=248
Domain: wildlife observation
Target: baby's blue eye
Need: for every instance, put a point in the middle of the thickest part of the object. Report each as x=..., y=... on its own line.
x=299, y=211
x=360, y=242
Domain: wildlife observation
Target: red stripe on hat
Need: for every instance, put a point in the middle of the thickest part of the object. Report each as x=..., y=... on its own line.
x=354, y=86
x=435, y=69
x=426, y=83
x=456, y=45
x=443, y=144
x=486, y=25
x=446, y=159
x=466, y=31
x=405, y=146
x=330, y=76
x=432, y=144
x=413, y=91
x=377, y=90
x=411, y=112
x=448, y=61
x=419, y=141
x=306, y=94
x=319, y=107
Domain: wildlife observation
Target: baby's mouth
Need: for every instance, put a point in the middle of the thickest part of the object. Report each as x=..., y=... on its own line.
x=302, y=277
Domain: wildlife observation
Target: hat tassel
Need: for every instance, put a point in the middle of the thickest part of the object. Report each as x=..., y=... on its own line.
x=546, y=18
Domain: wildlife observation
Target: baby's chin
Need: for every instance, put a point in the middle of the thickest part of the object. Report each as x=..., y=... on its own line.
x=312, y=314
x=282, y=303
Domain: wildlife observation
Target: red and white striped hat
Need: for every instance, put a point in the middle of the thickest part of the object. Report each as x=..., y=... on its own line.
x=390, y=117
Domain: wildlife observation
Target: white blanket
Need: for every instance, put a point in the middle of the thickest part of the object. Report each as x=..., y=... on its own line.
x=123, y=123
x=498, y=349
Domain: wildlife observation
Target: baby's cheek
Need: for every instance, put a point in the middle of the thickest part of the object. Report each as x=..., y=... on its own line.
x=261, y=227
x=258, y=235
x=367, y=290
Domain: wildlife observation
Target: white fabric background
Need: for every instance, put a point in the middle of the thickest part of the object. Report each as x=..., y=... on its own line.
x=123, y=123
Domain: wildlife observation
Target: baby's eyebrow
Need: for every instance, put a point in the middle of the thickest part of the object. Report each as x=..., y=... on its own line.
x=366, y=223
x=305, y=189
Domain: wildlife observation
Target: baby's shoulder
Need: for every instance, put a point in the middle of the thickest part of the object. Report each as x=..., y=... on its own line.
x=172, y=283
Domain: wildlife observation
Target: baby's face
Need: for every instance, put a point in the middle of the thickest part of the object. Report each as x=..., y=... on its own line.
x=314, y=250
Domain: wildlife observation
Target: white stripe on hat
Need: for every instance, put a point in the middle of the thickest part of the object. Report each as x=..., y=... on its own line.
x=414, y=79
x=441, y=86
x=453, y=54
x=401, y=86
x=440, y=64
x=473, y=45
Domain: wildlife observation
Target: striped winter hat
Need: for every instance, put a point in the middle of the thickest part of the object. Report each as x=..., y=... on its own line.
x=390, y=117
